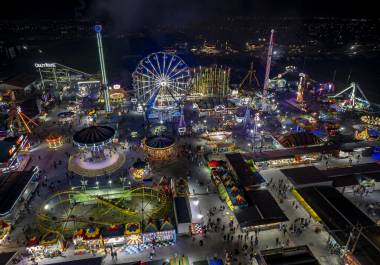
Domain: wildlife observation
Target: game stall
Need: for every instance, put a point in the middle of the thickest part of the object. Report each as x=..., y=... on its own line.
x=5, y=229
x=88, y=241
x=53, y=244
x=113, y=235
x=34, y=248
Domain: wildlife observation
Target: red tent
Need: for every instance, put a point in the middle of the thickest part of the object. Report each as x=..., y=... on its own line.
x=213, y=163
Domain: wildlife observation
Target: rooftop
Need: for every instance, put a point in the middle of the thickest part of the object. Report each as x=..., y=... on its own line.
x=246, y=176
x=262, y=209
x=11, y=186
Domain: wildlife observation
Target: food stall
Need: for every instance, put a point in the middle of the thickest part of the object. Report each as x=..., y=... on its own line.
x=5, y=229
x=88, y=241
x=288, y=161
x=113, y=235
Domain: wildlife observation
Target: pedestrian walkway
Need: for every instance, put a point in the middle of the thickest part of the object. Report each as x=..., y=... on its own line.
x=317, y=242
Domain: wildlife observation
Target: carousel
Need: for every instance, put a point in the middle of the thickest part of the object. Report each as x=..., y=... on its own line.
x=160, y=147
x=54, y=141
x=96, y=155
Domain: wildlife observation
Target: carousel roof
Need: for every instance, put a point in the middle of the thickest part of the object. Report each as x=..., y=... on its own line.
x=94, y=135
x=159, y=141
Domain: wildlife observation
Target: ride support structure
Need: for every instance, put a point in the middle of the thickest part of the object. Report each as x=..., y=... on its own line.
x=355, y=95
x=107, y=105
x=268, y=65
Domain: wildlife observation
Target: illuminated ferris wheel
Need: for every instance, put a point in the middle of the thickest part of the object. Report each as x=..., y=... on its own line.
x=161, y=81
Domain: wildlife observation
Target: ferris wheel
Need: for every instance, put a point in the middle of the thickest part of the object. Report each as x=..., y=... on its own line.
x=161, y=81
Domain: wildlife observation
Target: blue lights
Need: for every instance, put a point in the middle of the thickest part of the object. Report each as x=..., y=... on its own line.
x=98, y=28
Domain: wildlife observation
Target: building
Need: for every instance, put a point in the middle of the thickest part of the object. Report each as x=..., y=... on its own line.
x=16, y=189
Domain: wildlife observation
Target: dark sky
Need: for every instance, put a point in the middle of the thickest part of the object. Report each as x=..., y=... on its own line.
x=171, y=11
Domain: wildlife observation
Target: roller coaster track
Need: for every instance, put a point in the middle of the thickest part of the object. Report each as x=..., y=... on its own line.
x=114, y=204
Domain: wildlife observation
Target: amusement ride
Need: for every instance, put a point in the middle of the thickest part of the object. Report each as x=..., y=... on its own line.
x=161, y=81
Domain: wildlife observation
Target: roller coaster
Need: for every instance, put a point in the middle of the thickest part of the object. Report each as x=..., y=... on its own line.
x=67, y=211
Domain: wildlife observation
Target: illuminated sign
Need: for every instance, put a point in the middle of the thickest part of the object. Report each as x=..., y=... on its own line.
x=116, y=86
x=44, y=65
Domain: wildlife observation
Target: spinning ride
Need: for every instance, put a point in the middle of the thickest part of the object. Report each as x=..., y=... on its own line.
x=352, y=98
x=161, y=81
x=54, y=141
x=96, y=156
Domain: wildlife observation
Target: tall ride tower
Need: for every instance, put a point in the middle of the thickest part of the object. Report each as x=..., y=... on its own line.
x=107, y=105
x=269, y=61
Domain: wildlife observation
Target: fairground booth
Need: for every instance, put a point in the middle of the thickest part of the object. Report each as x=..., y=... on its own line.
x=88, y=240
x=50, y=245
x=132, y=234
x=113, y=235
x=163, y=232
x=34, y=248
x=182, y=209
x=240, y=185
x=5, y=229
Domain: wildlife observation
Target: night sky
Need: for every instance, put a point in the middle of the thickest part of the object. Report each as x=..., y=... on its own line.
x=180, y=11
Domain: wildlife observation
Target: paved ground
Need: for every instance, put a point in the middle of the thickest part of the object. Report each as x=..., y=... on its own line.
x=200, y=187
